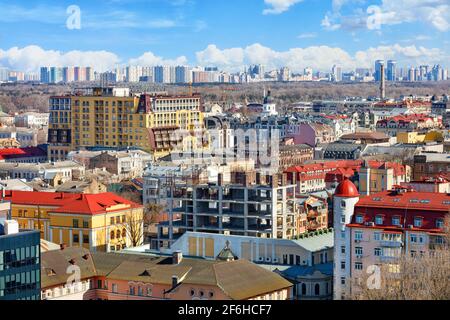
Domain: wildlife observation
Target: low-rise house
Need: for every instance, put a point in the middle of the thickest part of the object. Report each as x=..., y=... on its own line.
x=150, y=277
x=66, y=170
x=125, y=164
x=98, y=222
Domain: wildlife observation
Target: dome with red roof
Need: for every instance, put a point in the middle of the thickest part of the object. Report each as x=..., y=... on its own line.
x=346, y=189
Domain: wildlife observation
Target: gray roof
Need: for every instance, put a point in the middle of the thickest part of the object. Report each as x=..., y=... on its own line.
x=317, y=243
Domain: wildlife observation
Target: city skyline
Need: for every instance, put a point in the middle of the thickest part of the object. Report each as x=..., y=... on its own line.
x=350, y=34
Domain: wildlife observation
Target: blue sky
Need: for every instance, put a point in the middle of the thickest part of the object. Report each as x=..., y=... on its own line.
x=297, y=33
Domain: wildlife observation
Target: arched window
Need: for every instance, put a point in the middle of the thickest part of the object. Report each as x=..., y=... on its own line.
x=112, y=234
x=124, y=233
x=118, y=233
x=303, y=289
x=317, y=289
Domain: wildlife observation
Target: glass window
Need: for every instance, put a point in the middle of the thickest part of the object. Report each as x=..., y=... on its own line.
x=417, y=222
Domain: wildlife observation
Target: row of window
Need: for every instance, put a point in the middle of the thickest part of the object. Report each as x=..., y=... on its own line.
x=396, y=221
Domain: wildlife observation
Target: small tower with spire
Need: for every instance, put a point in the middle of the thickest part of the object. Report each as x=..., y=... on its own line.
x=226, y=254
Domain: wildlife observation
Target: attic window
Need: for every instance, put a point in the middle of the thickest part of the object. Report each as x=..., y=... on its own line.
x=146, y=273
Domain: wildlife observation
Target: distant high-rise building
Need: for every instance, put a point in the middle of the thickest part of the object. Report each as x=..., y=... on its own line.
x=378, y=64
x=4, y=74
x=392, y=70
x=56, y=75
x=183, y=74
x=164, y=74
x=285, y=74
x=412, y=75
x=336, y=73
x=45, y=75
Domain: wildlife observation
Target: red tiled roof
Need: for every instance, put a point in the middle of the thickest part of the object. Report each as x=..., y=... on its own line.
x=13, y=153
x=86, y=204
x=322, y=168
x=410, y=200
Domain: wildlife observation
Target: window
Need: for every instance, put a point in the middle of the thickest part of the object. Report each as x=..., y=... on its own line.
x=359, y=219
x=85, y=238
x=377, y=252
x=149, y=292
x=343, y=234
x=343, y=281
x=377, y=236
x=114, y=288
x=395, y=221
x=99, y=284
x=85, y=224
x=379, y=220
x=303, y=289
x=414, y=238
x=343, y=204
x=112, y=220
x=343, y=219
x=343, y=249
x=317, y=289
x=358, y=265
x=75, y=223
x=112, y=235
x=359, y=251
x=342, y=265
x=192, y=293
x=358, y=235
x=439, y=223
x=76, y=238
x=132, y=291
x=117, y=220
x=140, y=292
x=211, y=294
x=418, y=222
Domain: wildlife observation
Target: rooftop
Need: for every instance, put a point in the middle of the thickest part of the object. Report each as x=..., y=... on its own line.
x=14, y=153
x=86, y=204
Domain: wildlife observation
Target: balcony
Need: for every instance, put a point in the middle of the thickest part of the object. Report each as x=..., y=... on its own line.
x=391, y=244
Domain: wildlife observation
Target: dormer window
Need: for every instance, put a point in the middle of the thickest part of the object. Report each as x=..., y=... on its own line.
x=417, y=222
x=379, y=220
x=395, y=221
x=359, y=219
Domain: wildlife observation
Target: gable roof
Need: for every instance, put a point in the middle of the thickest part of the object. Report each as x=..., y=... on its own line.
x=87, y=204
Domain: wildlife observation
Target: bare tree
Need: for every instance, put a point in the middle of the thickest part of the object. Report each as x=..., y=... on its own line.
x=424, y=276
x=152, y=213
x=135, y=227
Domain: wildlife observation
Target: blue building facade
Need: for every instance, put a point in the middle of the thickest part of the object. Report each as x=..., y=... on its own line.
x=20, y=263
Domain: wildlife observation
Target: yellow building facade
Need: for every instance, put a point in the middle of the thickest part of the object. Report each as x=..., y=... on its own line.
x=102, y=222
x=114, y=118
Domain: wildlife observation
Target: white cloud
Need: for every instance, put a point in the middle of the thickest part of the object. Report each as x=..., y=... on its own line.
x=150, y=59
x=32, y=57
x=317, y=57
x=279, y=6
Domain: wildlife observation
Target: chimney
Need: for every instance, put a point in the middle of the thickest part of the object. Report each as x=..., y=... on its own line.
x=177, y=257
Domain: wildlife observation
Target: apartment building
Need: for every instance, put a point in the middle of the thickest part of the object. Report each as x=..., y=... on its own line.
x=372, y=176
x=99, y=222
x=115, y=118
x=377, y=229
x=251, y=205
x=430, y=164
x=146, y=277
